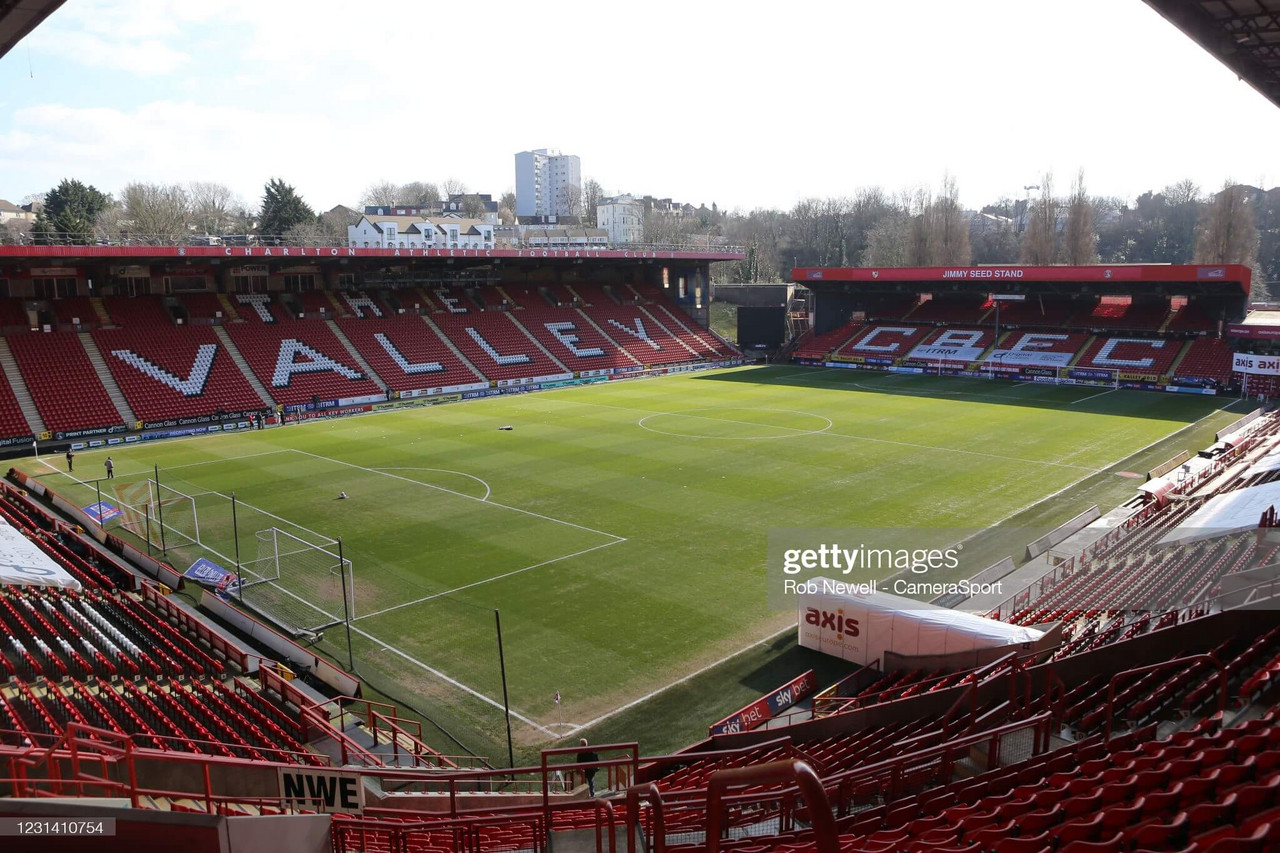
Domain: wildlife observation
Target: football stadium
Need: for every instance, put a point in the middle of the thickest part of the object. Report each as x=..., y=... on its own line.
x=458, y=535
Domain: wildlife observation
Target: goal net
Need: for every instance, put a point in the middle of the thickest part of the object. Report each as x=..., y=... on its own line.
x=160, y=513
x=298, y=584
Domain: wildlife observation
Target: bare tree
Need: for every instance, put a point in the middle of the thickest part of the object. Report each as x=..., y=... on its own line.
x=1039, y=246
x=213, y=207
x=1079, y=238
x=507, y=208
x=381, y=194
x=452, y=186
x=888, y=241
x=156, y=213
x=947, y=228
x=1184, y=191
x=592, y=195
x=1228, y=230
x=473, y=206
x=418, y=193
x=570, y=201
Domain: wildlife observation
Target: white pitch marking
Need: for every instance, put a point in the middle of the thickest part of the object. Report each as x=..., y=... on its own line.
x=461, y=495
x=489, y=580
x=487, y=491
x=1091, y=396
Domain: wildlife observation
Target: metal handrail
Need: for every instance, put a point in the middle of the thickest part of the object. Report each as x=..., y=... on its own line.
x=825, y=835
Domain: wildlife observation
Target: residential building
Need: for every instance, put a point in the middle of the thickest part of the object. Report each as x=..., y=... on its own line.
x=548, y=183
x=622, y=218
x=453, y=207
x=10, y=212
x=411, y=231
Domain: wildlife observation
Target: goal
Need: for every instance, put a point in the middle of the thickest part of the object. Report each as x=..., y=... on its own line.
x=300, y=585
x=147, y=508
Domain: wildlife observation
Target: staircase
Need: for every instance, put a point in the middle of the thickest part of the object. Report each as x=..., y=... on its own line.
x=606, y=336
x=339, y=309
x=457, y=353
x=229, y=313
x=679, y=340
x=356, y=356
x=537, y=343
x=244, y=366
x=1177, y=360
x=100, y=311
x=1084, y=349
x=986, y=353
x=108, y=381
x=20, y=390
x=576, y=295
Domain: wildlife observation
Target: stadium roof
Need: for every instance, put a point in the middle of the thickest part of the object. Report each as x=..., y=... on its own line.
x=1243, y=34
x=1232, y=278
x=19, y=17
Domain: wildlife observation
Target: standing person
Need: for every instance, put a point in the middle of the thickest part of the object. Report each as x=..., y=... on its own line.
x=70, y=461
x=587, y=756
x=111, y=468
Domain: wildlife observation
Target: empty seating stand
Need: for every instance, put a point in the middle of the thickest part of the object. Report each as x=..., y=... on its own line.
x=299, y=360
x=12, y=422
x=1208, y=360
x=820, y=346
x=572, y=339
x=62, y=381
x=407, y=354
x=1118, y=312
x=496, y=346
x=174, y=372
x=887, y=341
x=633, y=329
x=1143, y=356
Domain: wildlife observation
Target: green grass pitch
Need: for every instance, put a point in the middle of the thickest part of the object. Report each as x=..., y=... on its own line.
x=620, y=529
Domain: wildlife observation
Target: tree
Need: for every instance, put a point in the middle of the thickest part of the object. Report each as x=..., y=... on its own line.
x=282, y=209
x=156, y=214
x=419, y=193
x=1039, y=245
x=213, y=207
x=1079, y=240
x=888, y=241
x=69, y=213
x=570, y=201
x=1228, y=230
x=947, y=228
x=592, y=195
x=507, y=208
x=473, y=206
x=382, y=194
x=451, y=187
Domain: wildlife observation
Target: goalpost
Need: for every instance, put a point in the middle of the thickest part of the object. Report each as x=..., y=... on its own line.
x=304, y=586
x=161, y=514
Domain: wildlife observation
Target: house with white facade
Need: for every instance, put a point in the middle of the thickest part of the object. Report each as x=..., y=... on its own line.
x=388, y=231
x=622, y=218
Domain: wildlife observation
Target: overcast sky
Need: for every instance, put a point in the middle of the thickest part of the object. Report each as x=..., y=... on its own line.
x=742, y=103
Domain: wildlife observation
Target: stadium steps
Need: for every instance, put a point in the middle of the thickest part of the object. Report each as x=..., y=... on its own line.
x=1177, y=359
x=355, y=355
x=1075, y=359
x=228, y=310
x=100, y=311
x=230, y=347
x=1164, y=324
x=576, y=295
x=339, y=310
x=20, y=389
x=607, y=337
x=108, y=381
x=512, y=317
x=914, y=309
x=986, y=353
x=457, y=353
x=661, y=325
